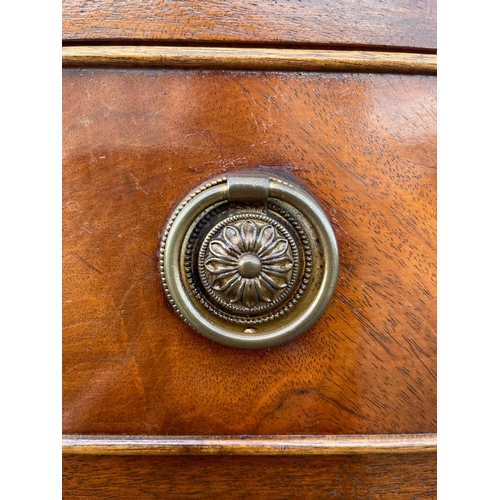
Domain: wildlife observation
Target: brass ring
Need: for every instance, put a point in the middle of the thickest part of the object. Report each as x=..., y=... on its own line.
x=317, y=290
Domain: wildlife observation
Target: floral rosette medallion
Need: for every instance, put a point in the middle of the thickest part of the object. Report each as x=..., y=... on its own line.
x=248, y=264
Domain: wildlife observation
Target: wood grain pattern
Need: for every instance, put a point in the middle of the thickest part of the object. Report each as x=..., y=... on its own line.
x=253, y=59
x=135, y=141
x=407, y=24
x=250, y=445
x=347, y=477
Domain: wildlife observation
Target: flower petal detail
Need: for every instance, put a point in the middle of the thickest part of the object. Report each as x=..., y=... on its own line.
x=276, y=249
x=223, y=275
x=265, y=292
x=279, y=267
x=220, y=250
x=234, y=292
x=222, y=283
x=232, y=238
x=275, y=282
x=266, y=237
x=216, y=265
x=277, y=261
x=250, y=296
x=248, y=235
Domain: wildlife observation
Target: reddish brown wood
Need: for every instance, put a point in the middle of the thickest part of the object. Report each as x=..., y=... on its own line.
x=121, y=478
x=409, y=24
x=135, y=141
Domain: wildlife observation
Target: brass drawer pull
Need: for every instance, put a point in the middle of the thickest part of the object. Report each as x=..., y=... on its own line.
x=249, y=260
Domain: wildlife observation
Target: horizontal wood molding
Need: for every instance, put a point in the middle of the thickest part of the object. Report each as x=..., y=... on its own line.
x=250, y=59
x=254, y=445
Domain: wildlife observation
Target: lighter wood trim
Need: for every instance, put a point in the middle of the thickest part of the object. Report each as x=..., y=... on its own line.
x=254, y=445
x=250, y=59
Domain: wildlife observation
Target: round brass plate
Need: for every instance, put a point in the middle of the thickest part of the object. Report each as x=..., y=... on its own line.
x=249, y=260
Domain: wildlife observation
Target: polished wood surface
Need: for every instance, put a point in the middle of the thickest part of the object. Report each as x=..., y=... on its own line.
x=408, y=24
x=136, y=140
x=250, y=445
x=347, y=477
x=253, y=59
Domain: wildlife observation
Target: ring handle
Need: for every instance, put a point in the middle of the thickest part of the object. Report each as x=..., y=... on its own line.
x=249, y=260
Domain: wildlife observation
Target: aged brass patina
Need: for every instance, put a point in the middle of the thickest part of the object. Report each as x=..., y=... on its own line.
x=249, y=260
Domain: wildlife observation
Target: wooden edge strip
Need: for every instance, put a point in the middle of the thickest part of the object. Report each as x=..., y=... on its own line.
x=253, y=445
x=250, y=59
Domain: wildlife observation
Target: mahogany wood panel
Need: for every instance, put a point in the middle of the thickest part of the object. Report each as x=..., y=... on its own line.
x=347, y=477
x=409, y=24
x=135, y=141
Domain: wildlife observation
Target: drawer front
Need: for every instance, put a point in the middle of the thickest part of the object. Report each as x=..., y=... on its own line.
x=392, y=23
x=273, y=478
x=137, y=140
